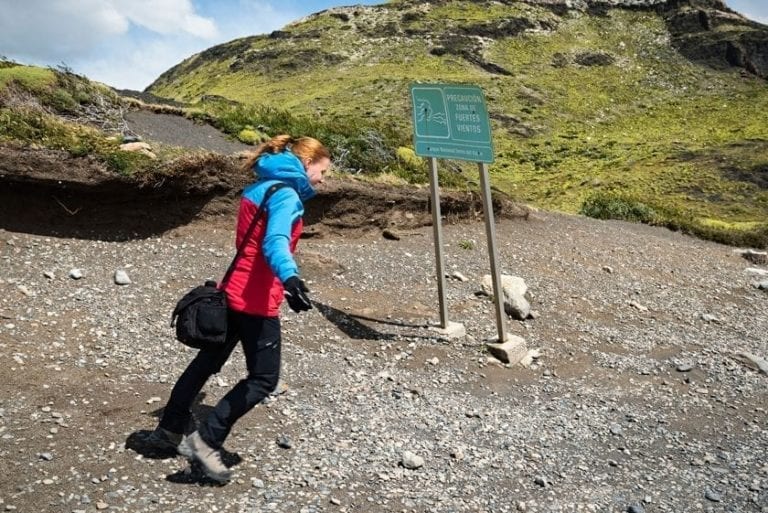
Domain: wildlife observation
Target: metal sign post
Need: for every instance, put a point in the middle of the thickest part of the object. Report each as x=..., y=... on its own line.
x=490, y=232
x=451, y=121
x=437, y=230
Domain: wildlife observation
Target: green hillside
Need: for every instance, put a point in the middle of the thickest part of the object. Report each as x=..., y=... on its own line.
x=657, y=114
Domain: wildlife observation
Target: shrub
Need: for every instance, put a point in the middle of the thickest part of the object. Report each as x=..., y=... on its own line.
x=249, y=136
x=126, y=163
x=606, y=205
x=60, y=100
x=408, y=157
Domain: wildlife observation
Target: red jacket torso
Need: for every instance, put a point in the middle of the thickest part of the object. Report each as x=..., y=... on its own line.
x=252, y=287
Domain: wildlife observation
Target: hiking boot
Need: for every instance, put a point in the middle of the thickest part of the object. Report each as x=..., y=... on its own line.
x=194, y=448
x=162, y=440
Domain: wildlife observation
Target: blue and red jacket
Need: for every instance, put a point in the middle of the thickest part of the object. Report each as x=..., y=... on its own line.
x=256, y=284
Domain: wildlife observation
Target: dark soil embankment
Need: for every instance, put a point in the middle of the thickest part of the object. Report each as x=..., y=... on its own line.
x=50, y=193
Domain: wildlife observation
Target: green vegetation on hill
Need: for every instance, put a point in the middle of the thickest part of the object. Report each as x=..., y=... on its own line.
x=35, y=104
x=56, y=109
x=593, y=111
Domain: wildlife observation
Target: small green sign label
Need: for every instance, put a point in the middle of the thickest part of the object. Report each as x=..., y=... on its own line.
x=451, y=122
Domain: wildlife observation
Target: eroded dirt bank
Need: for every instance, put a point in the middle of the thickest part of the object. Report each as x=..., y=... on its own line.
x=50, y=193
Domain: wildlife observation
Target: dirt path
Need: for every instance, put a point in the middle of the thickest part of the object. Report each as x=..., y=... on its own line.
x=180, y=131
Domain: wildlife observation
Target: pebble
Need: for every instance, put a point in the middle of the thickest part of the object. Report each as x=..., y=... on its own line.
x=121, y=277
x=75, y=274
x=411, y=461
x=713, y=496
x=685, y=367
x=284, y=441
x=635, y=508
x=47, y=456
x=456, y=275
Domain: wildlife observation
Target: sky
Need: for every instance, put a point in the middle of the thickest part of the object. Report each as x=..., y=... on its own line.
x=127, y=44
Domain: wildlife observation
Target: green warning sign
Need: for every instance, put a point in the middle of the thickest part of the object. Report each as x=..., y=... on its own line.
x=451, y=122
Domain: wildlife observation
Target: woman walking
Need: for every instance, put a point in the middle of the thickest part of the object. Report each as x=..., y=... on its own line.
x=287, y=171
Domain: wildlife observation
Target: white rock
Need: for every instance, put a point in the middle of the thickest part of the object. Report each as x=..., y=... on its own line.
x=513, y=290
x=121, y=277
x=75, y=274
x=456, y=275
x=411, y=461
x=761, y=364
x=530, y=356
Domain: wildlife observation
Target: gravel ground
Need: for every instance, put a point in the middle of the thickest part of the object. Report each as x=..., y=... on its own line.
x=638, y=401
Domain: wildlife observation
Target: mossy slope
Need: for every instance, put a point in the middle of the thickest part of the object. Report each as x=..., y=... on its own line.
x=665, y=105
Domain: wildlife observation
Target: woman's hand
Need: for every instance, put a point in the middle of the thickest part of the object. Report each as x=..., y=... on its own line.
x=295, y=294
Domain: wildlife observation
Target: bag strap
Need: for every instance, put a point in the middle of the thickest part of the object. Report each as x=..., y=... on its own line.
x=262, y=206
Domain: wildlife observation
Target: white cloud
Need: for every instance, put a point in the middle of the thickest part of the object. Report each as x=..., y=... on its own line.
x=758, y=18
x=756, y=10
x=51, y=30
x=135, y=66
x=127, y=43
x=57, y=28
x=167, y=17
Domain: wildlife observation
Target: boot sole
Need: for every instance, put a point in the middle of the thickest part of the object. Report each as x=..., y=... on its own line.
x=186, y=451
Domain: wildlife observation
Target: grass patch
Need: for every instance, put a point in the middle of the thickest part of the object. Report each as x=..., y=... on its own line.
x=39, y=128
x=620, y=206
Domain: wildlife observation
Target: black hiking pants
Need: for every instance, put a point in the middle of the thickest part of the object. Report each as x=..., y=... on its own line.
x=260, y=337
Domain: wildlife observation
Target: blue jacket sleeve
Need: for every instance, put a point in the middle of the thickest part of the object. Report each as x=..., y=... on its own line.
x=283, y=210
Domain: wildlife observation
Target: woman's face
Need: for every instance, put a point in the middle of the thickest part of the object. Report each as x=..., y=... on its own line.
x=316, y=169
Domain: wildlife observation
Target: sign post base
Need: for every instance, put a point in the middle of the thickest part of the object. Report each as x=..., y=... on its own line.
x=452, y=330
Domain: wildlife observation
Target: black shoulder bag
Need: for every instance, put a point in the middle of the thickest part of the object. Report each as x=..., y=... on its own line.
x=200, y=317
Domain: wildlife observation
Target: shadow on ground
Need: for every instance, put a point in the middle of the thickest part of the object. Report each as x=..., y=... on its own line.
x=110, y=212
x=351, y=326
x=137, y=441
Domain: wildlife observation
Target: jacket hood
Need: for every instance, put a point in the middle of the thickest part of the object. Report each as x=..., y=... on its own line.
x=285, y=167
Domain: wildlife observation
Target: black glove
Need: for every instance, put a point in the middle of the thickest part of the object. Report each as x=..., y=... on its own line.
x=295, y=294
